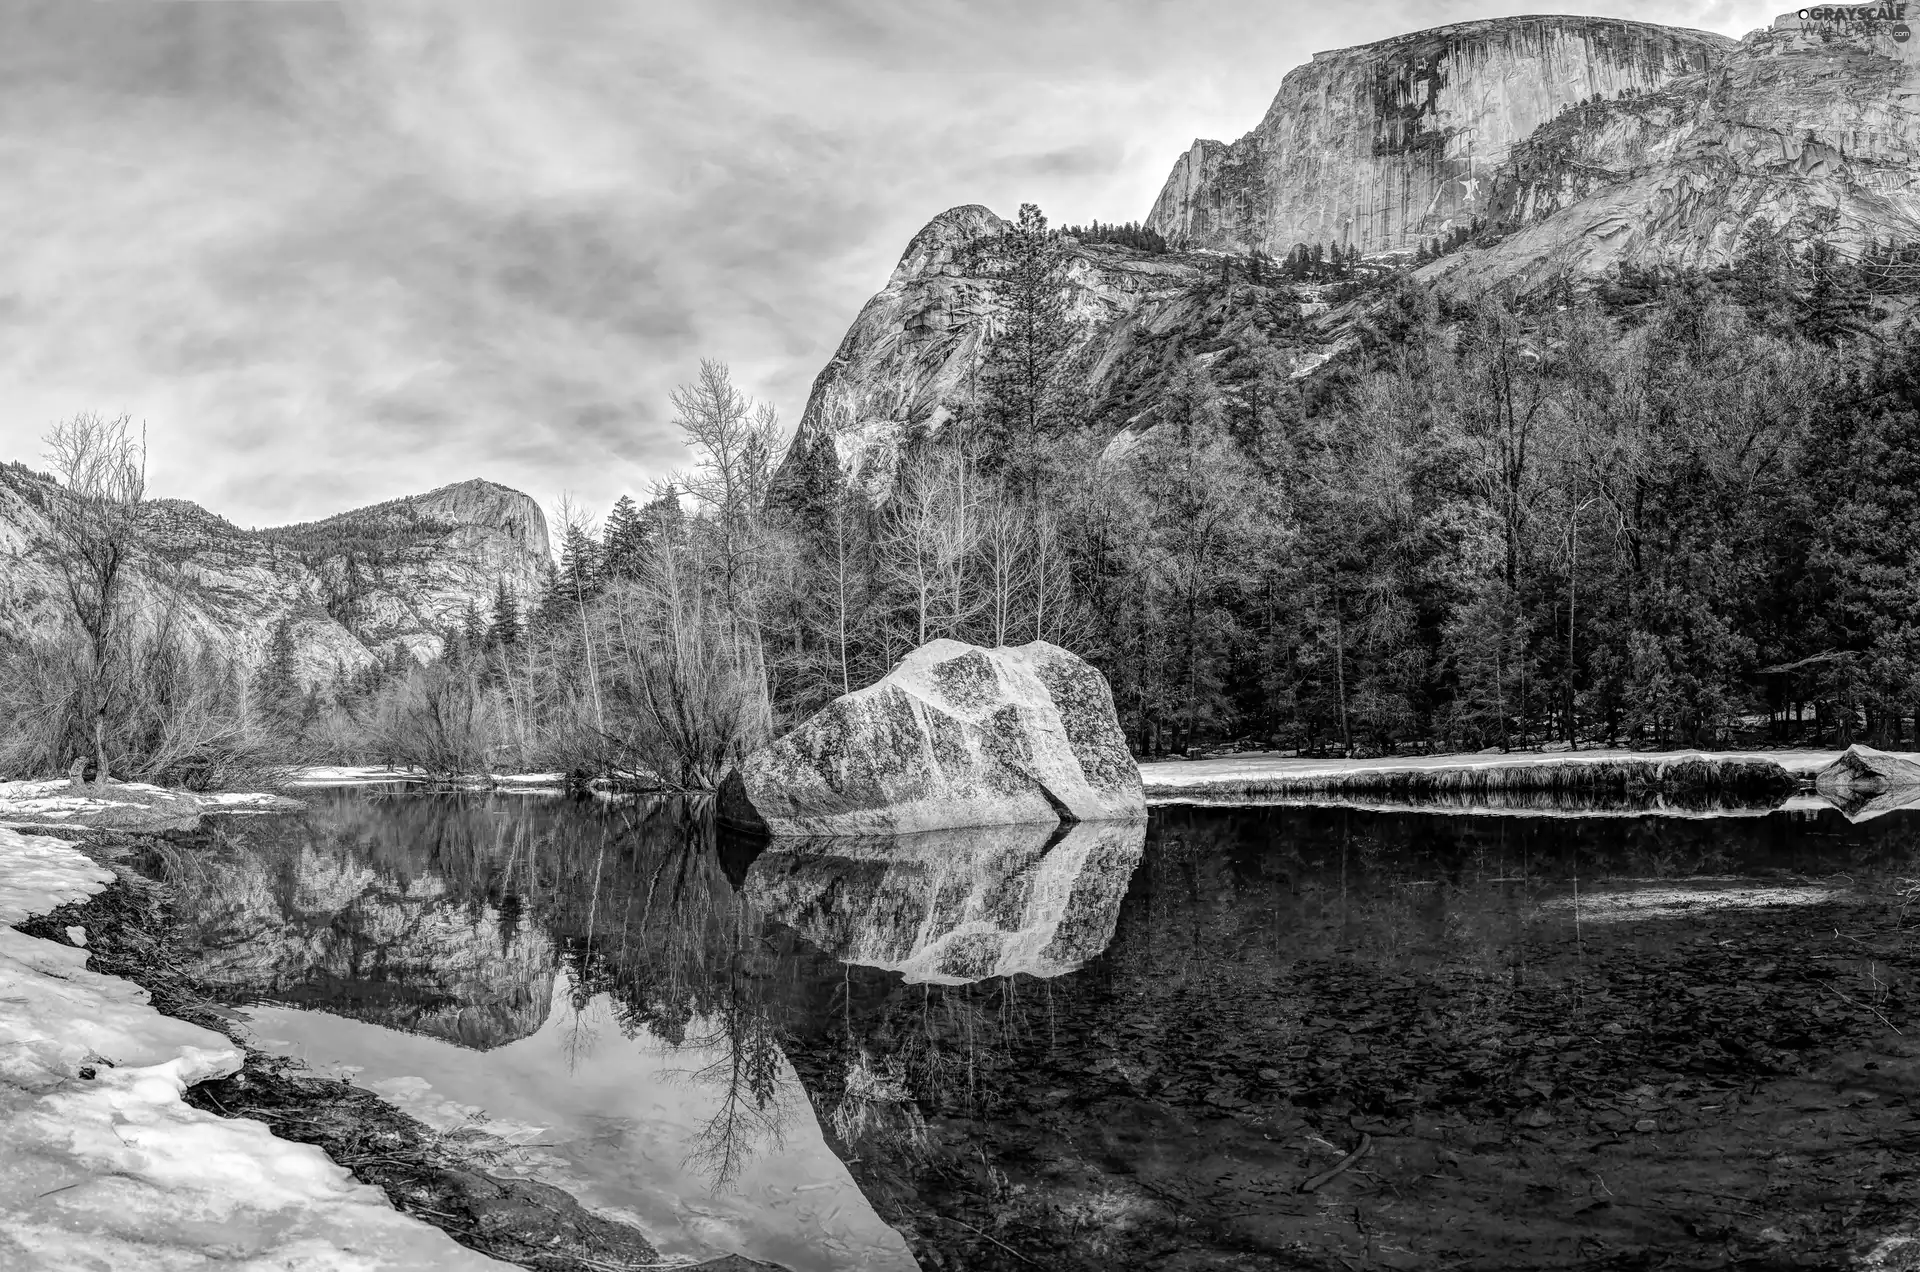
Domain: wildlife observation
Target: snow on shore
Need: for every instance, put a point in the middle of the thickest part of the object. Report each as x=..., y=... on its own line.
x=132, y=806
x=116, y=1170
x=382, y=775
x=1180, y=781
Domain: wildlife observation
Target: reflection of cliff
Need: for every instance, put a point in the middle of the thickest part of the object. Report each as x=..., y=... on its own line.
x=955, y=906
x=307, y=918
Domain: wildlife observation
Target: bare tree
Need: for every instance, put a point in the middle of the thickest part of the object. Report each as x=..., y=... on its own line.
x=1006, y=539
x=97, y=522
x=685, y=683
x=931, y=538
x=735, y=441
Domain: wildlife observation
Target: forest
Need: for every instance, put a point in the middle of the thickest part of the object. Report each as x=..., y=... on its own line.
x=1672, y=509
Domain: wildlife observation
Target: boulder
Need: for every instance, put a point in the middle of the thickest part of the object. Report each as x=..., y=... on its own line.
x=1861, y=770
x=956, y=735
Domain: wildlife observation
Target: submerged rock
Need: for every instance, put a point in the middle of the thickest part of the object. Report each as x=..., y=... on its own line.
x=953, y=906
x=956, y=735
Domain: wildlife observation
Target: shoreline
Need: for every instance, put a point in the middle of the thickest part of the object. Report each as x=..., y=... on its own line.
x=1607, y=772
x=399, y=1187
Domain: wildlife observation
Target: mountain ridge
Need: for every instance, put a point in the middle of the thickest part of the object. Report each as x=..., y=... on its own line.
x=350, y=586
x=1655, y=147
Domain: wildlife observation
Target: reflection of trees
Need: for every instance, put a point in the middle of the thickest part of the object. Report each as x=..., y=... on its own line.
x=626, y=899
x=753, y=1103
x=633, y=896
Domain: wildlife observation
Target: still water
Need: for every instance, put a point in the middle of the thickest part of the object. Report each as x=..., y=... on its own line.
x=1553, y=1041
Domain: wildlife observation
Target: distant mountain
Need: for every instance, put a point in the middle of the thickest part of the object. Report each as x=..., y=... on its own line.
x=1539, y=148
x=1577, y=143
x=352, y=585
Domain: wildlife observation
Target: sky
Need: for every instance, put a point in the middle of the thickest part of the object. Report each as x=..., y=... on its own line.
x=331, y=254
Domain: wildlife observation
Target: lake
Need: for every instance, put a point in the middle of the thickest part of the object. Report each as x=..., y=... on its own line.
x=1232, y=1038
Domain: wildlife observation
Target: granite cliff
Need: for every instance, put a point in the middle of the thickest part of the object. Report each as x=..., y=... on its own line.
x=1566, y=145
x=1392, y=142
x=350, y=586
x=1579, y=143
x=909, y=360
x=1806, y=128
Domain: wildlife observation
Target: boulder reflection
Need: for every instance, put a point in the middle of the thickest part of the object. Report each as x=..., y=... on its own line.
x=954, y=906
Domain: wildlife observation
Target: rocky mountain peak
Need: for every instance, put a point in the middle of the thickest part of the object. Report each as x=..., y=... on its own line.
x=479, y=506
x=1389, y=143
x=935, y=249
x=349, y=587
x=1558, y=148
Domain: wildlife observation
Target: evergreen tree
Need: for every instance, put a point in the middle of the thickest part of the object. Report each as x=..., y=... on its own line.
x=811, y=483
x=580, y=564
x=473, y=628
x=1835, y=306
x=1022, y=404
x=505, y=629
x=624, y=541
x=277, y=688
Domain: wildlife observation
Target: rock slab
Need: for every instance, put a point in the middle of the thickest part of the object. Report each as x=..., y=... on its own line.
x=956, y=735
x=1862, y=768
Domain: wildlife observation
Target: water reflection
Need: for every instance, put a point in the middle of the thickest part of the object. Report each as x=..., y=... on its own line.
x=576, y=982
x=953, y=906
x=1100, y=1049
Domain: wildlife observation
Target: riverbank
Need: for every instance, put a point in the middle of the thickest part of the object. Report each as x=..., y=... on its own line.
x=332, y=775
x=319, y=1189
x=104, y=1163
x=58, y=806
x=1754, y=778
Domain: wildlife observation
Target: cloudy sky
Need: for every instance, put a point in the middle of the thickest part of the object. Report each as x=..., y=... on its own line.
x=331, y=254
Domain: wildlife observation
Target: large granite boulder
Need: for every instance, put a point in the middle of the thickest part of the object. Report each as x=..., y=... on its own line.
x=956, y=735
x=1865, y=771
x=1864, y=783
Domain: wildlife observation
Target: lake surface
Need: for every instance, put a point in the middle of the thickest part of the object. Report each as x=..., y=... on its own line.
x=1560, y=1041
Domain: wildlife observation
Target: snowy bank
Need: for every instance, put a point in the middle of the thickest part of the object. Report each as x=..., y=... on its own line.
x=128, y=806
x=1265, y=777
x=331, y=775
x=103, y=1165
x=385, y=775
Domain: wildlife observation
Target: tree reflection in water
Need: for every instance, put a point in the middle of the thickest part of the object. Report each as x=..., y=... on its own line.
x=1066, y=1042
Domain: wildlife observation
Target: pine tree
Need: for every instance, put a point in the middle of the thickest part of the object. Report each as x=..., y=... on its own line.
x=811, y=483
x=1022, y=403
x=624, y=541
x=278, y=686
x=473, y=628
x=663, y=522
x=580, y=564
x=1836, y=304
x=505, y=630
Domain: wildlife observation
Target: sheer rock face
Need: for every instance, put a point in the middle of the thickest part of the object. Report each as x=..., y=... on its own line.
x=910, y=357
x=1587, y=142
x=415, y=563
x=1808, y=127
x=953, y=906
x=1393, y=142
x=955, y=735
x=1583, y=143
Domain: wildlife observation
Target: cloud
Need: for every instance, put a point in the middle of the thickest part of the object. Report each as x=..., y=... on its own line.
x=333, y=254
